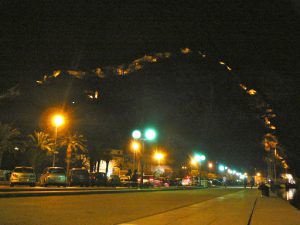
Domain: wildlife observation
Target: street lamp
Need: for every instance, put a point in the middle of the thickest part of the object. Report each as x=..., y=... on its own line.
x=57, y=120
x=149, y=135
x=198, y=157
x=158, y=156
x=221, y=168
x=135, y=147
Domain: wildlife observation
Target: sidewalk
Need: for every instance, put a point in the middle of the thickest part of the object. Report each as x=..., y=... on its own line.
x=232, y=209
x=275, y=211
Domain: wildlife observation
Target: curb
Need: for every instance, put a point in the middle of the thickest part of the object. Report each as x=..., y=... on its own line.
x=85, y=192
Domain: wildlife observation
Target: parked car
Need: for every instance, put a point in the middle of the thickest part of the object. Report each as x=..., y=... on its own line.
x=175, y=182
x=79, y=176
x=148, y=180
x=126, y=181
x=186, y=181
x=98, y=179
x=23, y=175
x=114, y=180
x=53, y=176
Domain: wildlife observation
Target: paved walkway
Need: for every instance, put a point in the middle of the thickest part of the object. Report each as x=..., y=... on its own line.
x=242, y=208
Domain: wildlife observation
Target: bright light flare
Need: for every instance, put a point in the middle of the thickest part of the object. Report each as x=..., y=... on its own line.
x=135, y=146
x=150, y=134
x=221, y=168
x=136, y=134
x=199, y=157
x=158, y=156
x=58, y=120
x=193, y=162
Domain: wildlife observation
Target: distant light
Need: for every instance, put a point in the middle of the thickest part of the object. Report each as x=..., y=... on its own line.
x=150, y=134
x=193, y=162
x=135, y=146
x=251, y=92
x=243, y=86
x=258, y=174
x=136, y=134
x=73, y=102
x=210, y=165
x=199, y=157
x=185, y=50
x=221, y=168
x=158, y=156
x=242, y=176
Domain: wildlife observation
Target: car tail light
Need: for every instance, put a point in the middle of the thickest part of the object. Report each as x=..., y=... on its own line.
x=15, y=175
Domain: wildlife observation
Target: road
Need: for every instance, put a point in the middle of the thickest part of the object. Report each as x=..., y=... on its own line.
x=101, y=209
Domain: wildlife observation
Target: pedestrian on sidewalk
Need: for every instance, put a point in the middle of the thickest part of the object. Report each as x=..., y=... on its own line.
x=225, y=182
x=245, y=182
x=252, y=182
x=264, y=189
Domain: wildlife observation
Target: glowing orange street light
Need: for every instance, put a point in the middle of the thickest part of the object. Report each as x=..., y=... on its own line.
x=193, y=162
x=135, y=146
x=58, y=120
x=210, y=165
x=158, y=156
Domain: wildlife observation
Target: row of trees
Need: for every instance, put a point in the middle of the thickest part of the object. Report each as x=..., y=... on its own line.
x=39, y=148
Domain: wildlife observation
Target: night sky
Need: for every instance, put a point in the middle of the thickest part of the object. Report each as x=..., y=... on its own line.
x=195, y=104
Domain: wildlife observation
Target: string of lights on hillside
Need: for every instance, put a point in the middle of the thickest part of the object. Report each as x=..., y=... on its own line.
x=266, y=112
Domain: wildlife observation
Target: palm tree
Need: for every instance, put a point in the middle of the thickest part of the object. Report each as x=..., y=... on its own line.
x=75, y=143
x=40, y=143
x=8, y=136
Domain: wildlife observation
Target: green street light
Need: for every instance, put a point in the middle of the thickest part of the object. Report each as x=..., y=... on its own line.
x=136, y=134
x=221, y=168
x=150, y=134
x=199, y=157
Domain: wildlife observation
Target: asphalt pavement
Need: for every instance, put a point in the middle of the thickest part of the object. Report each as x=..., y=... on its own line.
x=99, y=209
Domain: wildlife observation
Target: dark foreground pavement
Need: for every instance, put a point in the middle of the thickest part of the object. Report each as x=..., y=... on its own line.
x=193, y=207
x=98, y=209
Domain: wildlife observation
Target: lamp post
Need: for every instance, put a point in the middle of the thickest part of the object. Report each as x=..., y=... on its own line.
x=135, y=147
x=57, y=120
x=199, y=158
x=149, y=135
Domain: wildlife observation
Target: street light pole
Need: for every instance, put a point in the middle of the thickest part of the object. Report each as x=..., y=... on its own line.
x=142, y=163
x=58, y=120
x=55, y=140
x=149, y=135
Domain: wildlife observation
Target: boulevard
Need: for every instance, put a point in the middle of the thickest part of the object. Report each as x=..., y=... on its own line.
x=99, y=209
x=191, y=206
